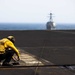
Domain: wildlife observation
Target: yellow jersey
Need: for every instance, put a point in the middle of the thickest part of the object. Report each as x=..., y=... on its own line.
x=6, y=43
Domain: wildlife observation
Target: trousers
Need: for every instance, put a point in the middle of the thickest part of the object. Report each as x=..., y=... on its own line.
x=7, y=56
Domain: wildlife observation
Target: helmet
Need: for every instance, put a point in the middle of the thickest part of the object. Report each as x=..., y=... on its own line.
x=11, y=38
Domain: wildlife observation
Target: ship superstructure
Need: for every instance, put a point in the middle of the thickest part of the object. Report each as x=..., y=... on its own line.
x=50, y=25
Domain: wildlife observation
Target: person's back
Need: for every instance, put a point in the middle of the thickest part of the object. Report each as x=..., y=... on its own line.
x=2, y=45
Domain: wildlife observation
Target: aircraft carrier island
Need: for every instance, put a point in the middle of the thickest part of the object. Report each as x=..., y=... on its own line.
x=43, y=52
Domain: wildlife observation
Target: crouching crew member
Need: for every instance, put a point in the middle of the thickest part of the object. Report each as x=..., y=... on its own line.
x=7, y=50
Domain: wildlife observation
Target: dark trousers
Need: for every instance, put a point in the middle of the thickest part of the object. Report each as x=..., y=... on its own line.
x=7, y=56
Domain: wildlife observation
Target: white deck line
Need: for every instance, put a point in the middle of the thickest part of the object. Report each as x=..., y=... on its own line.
x=29, y=60
x=32, y=60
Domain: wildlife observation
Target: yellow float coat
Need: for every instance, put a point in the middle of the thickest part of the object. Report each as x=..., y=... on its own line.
x=6, y=43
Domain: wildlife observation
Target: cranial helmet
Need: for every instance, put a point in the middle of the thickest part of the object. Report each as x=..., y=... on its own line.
x=11, y=38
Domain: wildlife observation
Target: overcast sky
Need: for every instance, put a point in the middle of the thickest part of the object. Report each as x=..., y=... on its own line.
x=37, y=11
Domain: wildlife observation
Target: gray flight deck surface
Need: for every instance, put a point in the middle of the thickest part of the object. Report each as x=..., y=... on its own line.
x=53, y=51
x=29, y=66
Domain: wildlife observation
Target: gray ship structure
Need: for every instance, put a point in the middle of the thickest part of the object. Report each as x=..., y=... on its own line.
x=50, y=25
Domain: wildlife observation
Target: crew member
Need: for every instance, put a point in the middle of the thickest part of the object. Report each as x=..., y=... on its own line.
x=7, y=50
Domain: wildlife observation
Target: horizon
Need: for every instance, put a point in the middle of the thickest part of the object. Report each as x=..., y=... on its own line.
x=31, y=23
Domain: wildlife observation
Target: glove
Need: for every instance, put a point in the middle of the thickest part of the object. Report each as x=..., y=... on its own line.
x=15, y=58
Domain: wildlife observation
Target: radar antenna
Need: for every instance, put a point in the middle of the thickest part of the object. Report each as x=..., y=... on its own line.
x=51, y=19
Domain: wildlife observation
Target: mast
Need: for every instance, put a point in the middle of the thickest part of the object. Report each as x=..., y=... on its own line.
x=51, y=19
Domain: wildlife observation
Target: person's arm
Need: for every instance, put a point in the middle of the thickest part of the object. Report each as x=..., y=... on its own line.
x=11, y=45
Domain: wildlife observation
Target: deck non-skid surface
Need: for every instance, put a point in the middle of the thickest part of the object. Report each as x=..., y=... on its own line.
x=59, y=48
x=36, y=71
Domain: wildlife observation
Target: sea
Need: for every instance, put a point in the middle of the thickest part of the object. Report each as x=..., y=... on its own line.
x=34, y=26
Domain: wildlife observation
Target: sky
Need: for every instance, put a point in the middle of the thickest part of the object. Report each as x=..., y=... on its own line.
x=37, y=11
